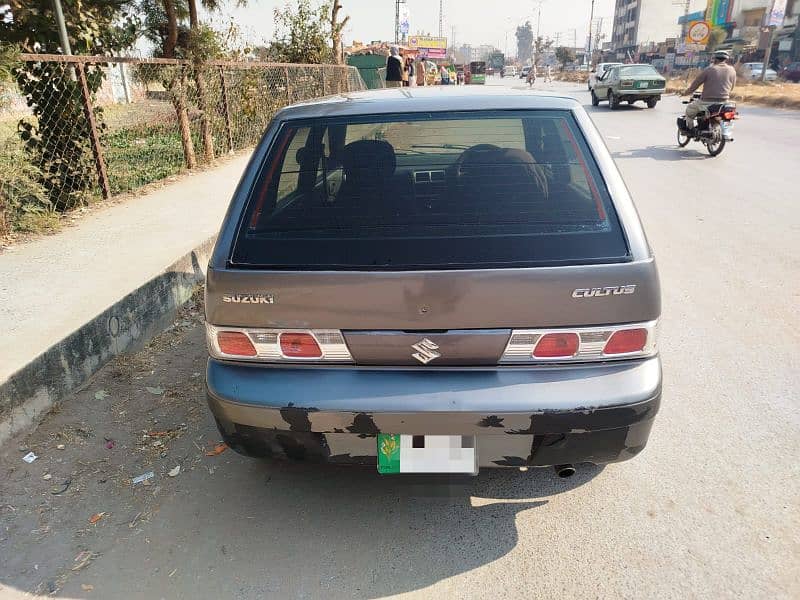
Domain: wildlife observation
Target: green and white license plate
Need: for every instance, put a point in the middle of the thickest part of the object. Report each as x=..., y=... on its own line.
x=426, y=454
x=642, y=84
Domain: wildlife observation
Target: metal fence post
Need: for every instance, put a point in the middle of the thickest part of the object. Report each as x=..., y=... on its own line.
x=226, y=108
x=94, y=137
x=288, y=88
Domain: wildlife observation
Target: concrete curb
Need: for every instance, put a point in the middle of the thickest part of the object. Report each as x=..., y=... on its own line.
x=27, y=395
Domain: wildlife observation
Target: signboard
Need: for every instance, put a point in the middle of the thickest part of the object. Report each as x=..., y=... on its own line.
x=785, y=45
x=695, y=16
x=698, y=32
x=430, y=43
x=686, y=48
x=432, y=52
x=775, y=18
x=718, y=12
x=404, y=20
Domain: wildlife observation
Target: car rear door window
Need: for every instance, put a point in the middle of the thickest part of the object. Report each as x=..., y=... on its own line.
x=431, y=191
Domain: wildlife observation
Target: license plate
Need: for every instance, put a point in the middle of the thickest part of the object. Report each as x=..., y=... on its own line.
x=727, y=130
x=426, y=454
x=642, y=84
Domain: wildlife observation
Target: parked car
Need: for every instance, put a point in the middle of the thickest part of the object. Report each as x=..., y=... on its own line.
x=752, y=70
x=434, y=280
x=629, y=83
x=791, y=72
x=597, y=71
x=524, y=73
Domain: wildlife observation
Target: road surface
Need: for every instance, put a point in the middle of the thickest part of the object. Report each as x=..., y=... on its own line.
x=708, y=510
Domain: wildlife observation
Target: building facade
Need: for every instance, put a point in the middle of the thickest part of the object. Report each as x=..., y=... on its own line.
x=641, y=22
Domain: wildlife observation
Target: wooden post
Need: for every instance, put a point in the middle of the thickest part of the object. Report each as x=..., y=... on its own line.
x=288, y=87
x=94, y=137
x=227, y=109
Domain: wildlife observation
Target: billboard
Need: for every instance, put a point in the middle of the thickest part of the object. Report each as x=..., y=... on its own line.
x=719, y=12
x=775, y=17
x=429, y=43
x=429, y=47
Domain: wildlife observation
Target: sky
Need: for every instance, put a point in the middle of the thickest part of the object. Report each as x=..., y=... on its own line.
x=475, y=21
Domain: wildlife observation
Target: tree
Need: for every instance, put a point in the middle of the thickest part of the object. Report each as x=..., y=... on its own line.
x=336, y=32
x=541, y=45
x=61, y=154
x=524, y=42
x=565, y=55
x=715, y=38
x=301, y=34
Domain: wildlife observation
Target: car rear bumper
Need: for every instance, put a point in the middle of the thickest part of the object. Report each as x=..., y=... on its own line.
x=520, y=417
x=647, y=92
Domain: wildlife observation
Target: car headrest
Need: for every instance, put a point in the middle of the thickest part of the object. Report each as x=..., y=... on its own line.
x=368, y=160
x=505, y=162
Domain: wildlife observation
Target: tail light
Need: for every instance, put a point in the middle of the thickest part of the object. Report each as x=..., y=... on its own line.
x=299, y=345
x=627, y=83
x=277, y=345
x=557, y=345
x=584, y=344
x=626, y=341
x=729, y=116
x=235, y=343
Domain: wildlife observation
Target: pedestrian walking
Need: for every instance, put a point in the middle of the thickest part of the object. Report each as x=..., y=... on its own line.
x=394, y=68
x=445, y=75
x=410, y=74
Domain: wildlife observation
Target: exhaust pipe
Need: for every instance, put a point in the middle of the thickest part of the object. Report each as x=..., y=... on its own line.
x=564, y=471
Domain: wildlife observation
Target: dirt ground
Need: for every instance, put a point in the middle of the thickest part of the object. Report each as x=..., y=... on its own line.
x=77, y=499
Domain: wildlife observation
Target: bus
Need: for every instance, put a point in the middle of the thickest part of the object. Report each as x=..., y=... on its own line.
x=477, y=71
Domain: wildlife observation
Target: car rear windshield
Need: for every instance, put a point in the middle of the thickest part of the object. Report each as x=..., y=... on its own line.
x=638, y=72
x=429, y=191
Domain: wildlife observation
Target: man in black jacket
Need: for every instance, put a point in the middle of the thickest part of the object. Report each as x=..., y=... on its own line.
x=394, y=68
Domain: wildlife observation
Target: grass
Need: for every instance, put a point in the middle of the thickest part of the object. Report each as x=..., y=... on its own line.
x=136, y=157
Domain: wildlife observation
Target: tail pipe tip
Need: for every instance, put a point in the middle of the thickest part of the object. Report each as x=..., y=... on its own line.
x=564, y=471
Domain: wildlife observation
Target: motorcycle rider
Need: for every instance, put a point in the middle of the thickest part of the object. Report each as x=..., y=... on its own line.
x=718, y=80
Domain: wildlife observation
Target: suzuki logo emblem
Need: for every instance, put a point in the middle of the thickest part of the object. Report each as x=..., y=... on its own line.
x=426, y=351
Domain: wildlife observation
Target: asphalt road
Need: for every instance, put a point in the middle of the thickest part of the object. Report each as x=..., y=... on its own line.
x=708, y=510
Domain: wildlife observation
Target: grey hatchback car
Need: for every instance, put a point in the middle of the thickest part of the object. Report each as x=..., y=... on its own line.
x=434, y=280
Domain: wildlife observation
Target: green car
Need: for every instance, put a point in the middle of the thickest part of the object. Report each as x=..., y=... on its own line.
x=629, y=83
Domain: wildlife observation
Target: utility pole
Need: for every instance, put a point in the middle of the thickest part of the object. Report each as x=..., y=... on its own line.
x=591, y=24
x=768, y=51
x=539, y=19
x=441, y=18
x=397, y=21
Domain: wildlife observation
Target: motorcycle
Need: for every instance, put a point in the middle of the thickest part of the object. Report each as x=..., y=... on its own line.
x=714, y=127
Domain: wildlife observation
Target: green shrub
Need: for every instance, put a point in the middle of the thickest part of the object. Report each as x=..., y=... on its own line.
x=24, y=204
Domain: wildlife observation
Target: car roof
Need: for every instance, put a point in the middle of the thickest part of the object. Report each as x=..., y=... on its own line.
x=426, y=99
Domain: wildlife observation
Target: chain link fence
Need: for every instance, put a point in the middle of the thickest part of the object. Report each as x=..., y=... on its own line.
x=95, y=128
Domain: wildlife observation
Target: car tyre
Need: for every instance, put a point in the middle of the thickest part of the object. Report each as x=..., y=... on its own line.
x=613, y=101
x=651, y=102
x=595, y=99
